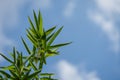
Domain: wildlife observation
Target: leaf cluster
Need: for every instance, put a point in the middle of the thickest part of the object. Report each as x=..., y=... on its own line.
x=30, y=67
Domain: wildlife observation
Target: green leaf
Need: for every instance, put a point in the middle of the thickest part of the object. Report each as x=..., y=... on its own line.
x=39, y=14
x=34, y=74
x=18, y=61
x=47, y=74
x=49, y=37
x=31, y=35
x=44, y=41
x=14, y=74
x=25, y=69
x=14, y=55
x=33, y=42
x=25, y=45
x=34, y=49
x=45, y=78
x=32, y=65
x=28, y=58
x=5, y=74
x=33, y=28
x=43, y=59
x=49, y=31
x=51, y=54
x=21, y=60
x=1, y=78
x=8, y=67
x=54, y=36
x=26, y=75
x=40, y=21
x=59, y=45
x=35, y=18
x=41, y=65
x=6, y=58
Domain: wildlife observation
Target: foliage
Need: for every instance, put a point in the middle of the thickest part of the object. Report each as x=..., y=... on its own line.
x=30, y=67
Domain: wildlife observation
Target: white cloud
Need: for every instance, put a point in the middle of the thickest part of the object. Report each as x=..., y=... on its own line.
x=68, y=71
x=104, y=16
x=109, y=6
x=69, y=8
x=109, y=28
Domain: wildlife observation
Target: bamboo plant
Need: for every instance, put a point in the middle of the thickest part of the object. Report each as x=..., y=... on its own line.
x=30, y=67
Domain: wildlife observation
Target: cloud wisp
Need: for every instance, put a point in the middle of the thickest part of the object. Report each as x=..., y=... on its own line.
x=69, y=8
x=104, y=16
x=68, y=71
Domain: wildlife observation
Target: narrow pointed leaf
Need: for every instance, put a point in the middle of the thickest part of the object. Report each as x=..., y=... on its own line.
x=40, y=24
x=32, y=65
x=8, y=67
x=34, y=43
x=18, y=60
x=54, y=36
x=26, y=75
x=14, y=55
x=31, y=35
x=26, y=47
x=51, y=54
x=44, y=41
x=49, y=37
x=34, y=49
x=1, y=78
x=35, y=18
x=41, y=65
x=39, y=14
x=49, y=31
x=6, y=58
x=29, y=57
x=34, y=74
x=33, y=28
x=59, y=45
x=21, y=60
x=5, y=74
x=45, y=78
x=47, y=74
x=14, y=74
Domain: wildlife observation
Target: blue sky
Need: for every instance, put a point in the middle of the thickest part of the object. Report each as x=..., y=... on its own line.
x=92, y=26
